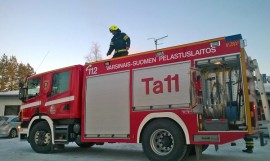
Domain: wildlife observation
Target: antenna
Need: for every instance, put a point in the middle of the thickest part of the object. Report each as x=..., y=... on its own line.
x=156, y=40
x=42, y=61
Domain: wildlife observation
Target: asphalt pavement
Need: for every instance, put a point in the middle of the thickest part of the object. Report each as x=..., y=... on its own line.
x=14, y=149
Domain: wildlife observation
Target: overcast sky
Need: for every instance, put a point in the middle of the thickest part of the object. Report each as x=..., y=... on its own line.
x=60, y=33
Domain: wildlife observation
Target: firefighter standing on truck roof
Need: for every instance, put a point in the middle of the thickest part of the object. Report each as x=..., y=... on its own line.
x=120, y=42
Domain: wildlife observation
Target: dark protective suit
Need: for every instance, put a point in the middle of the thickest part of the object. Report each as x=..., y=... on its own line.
x=119, y=42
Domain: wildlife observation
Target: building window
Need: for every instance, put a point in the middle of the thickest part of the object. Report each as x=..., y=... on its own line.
x=12, y=110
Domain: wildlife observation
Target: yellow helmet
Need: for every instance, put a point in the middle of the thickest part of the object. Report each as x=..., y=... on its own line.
x=113, y=28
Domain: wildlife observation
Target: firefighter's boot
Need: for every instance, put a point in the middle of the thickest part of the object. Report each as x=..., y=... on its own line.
x=248, y=150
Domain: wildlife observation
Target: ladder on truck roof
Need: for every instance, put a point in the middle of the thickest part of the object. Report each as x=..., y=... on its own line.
x=265, y=105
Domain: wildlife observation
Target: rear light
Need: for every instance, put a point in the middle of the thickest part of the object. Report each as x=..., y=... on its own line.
x=253, y=106
x=253, y=113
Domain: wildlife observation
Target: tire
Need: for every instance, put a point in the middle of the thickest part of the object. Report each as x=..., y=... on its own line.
x=12, y=133
x=85, y=145
x=193, y=152
x=164, y=140
x=40, y=138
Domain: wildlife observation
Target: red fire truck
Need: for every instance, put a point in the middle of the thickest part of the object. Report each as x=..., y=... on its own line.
x=171, y=100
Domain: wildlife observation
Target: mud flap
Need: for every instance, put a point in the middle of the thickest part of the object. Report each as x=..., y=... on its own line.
x=198, y=150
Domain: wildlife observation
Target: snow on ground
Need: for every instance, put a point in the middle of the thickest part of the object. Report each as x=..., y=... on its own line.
x=13, y=149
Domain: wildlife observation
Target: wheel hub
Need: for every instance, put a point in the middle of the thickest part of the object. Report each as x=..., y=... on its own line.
x=166, y=141
x=162, y=142
x=42, y=138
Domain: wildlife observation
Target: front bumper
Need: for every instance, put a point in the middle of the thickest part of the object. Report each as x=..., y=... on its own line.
x=23, y=133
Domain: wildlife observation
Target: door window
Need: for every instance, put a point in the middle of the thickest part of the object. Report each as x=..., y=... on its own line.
x=60, y=82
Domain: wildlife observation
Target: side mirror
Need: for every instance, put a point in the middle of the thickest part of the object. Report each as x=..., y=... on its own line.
x=22, y=94
x=21, y=84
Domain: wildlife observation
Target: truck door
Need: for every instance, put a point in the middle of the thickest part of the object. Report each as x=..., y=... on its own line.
x=107, y=111
x=161, y=87
x=62, y=88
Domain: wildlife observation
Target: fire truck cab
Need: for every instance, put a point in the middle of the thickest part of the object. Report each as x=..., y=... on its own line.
x=171, y=100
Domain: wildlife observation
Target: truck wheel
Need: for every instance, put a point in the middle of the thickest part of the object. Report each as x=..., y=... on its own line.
x=164, y=140
x=40, y=138
x=12, y=133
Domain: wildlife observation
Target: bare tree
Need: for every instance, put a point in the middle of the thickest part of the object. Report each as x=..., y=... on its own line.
x=94, y=54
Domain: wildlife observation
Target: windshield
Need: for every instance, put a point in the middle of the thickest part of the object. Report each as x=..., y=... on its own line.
x=33, y=87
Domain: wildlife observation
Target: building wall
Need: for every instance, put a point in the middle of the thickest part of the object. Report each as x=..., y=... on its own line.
x=4, y=101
